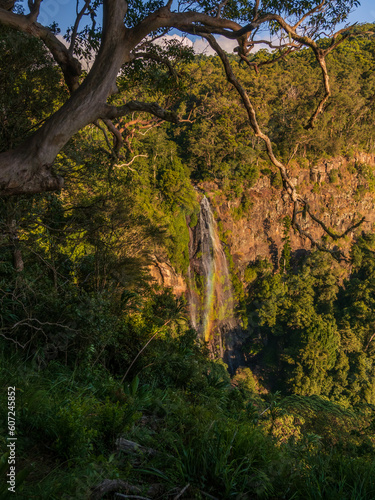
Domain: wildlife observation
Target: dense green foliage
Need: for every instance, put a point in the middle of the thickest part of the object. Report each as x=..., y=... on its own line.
x=314, y=331
x=97, y=351
x=219, y=146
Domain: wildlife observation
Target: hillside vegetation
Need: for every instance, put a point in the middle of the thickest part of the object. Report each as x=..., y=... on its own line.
x=99, y=354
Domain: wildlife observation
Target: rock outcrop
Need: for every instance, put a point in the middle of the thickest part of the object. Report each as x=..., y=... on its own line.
x=340, y=192
x=165, y=275
x=250, y=224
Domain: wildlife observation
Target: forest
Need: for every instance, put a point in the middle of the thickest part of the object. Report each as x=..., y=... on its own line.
x=115, y=393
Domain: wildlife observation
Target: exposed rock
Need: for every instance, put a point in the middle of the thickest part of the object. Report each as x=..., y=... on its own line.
x=337, y=192
x=165, y=275
x=335, y=199
x=110, y=485
x=210, y=294
x=131, y=447
x=340, y=191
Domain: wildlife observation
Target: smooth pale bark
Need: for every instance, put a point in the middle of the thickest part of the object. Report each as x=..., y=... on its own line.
x=29, y=168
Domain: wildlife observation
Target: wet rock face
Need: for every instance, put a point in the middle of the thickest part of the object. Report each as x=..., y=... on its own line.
x=338, y=192
x=210, y=293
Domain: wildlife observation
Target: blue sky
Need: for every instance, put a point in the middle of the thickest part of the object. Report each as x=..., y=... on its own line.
x=63, y=12
x=365, y=13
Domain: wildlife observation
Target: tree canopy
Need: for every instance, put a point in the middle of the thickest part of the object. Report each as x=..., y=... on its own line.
x=114, y=390
x=124, y=36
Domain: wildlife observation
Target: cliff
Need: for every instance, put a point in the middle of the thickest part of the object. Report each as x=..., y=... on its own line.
x=340, y=191
x=247, y=222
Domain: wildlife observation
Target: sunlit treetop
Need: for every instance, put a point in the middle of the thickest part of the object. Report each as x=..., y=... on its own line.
x=115, y=33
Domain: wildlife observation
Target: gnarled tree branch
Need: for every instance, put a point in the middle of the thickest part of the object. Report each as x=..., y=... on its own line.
x=28, y=169
x=69, y=65
x=80, y=14
x=153, y=108
x=288, y=184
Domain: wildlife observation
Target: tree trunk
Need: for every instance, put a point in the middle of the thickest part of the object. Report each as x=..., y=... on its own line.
x=28, y=169
x=16, y=250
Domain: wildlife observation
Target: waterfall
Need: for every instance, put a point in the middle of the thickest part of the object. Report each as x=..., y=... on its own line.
x=211, y=301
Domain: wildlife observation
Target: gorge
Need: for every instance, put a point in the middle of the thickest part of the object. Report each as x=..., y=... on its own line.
x=242, y=236
x=164, y=330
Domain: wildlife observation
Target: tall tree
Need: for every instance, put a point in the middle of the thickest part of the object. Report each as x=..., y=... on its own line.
x=126, y=35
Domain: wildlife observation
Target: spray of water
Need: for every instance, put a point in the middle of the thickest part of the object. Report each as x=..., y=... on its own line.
x=212, y=309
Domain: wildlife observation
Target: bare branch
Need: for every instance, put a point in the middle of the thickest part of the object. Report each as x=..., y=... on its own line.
x=96, y=123
x=156, y=58
x=117, y=137
x=345, y=35
x=308, y=14
x=34, y=7
x=271, y=45
x=336, y=254
x=15, y=341
x=252, y=115
x=319, y=109
x=131, y=161
x=70, y=66
x=188, y=21
x=256, y=9
x=76, y=25
x=24, y=322
x=369, y=342
x=288, y=185
x=179, y=495
x=143, y=348
x=220, y=7
x=29, y=167
x=150, y=40
x=320, y=55
x=333, y=235
x=135, y=497
x=257, y=65
x=153, y=108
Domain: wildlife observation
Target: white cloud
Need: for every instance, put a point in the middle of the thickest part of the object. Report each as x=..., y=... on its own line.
x=200, y=45
x=227, y=44
x=166, y=38
x=62, y=40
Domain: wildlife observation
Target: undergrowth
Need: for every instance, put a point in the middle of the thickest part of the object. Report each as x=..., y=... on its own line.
x=217, y=439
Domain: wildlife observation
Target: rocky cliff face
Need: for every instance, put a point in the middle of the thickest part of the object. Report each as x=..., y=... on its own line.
x=340, y=191
x=210, y=291
x=165, y=275
x=246, y=225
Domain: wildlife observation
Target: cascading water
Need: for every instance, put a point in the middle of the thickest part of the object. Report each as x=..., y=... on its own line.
x=211, y=300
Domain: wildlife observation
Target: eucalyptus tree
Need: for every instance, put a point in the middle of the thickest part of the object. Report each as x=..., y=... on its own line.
x=126, y=33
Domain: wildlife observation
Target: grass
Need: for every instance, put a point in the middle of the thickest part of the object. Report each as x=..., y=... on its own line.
x=201, y=428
